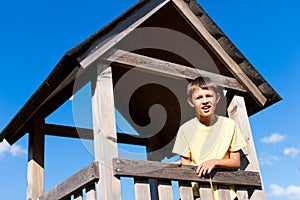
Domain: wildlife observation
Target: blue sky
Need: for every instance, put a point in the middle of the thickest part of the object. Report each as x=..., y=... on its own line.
x=35, y=35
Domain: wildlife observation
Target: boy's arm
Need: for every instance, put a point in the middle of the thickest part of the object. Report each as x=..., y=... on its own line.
x=233, y=162
x=185, y=160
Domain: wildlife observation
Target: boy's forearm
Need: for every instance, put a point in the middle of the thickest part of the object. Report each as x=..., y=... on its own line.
x=185, y=160
x=228, y=163
x=233, y=162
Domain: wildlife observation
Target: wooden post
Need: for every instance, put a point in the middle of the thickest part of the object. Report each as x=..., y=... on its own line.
x=237, y=111
x=35, y=170
x=105, y=136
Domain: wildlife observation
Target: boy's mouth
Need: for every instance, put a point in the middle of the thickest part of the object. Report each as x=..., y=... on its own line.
x=206, y=108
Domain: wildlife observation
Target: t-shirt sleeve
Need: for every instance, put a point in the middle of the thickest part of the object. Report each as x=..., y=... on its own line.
x=181, y=146
x=238, y=141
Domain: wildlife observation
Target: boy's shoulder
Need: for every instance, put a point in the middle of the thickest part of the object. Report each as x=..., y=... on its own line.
x=226, y=119
x=190, y=123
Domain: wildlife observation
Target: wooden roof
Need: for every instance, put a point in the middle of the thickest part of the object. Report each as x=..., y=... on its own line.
x=185, y=17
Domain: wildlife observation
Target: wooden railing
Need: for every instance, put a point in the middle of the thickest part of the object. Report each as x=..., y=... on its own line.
x=81, y=184
x=244, y=181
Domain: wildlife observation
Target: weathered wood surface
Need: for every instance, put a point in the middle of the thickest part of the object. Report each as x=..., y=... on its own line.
x=242, y=193
x=105, y=136
x=168, y=68
x=117, y=33
x=205, y=192
x=237, y=111
x=35, y=169
x=165, y=190
x=232, y=66
x=185, y=190
x=142, y=189
x=85, y=133
x=224, y=192
x=170, y=171
x=76, y=182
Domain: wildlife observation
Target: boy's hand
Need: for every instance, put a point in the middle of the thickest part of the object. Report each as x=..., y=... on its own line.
x=206, y=167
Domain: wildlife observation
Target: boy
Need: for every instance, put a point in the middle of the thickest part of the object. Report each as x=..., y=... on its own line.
x=208, y=141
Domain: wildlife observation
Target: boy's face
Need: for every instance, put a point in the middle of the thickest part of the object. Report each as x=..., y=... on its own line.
x=204, y=101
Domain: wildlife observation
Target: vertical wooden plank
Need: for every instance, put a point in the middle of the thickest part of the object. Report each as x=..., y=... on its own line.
x=224, y=192
x=78, y=196
x=153, y=155
x=35, y=170
x=242, y=193
x=237, y=111
x=165, y=190
x=186, y=191
x=205, y=191
x=105, y=136
x=91, y=192
x=142, y=189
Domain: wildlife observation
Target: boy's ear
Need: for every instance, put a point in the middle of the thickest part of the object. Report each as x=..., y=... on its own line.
x=189, y=100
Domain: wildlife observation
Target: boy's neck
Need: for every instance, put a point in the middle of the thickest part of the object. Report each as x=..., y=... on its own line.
x=208, y=121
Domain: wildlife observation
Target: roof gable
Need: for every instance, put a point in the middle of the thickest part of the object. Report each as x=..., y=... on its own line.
x=189, y=17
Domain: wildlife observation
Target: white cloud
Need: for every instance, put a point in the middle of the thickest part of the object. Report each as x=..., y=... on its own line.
x=267, y=159
x=4, y=146
x=17, y=150
x=291, y=151
x=14, y=150
x=273, y=138
x=292, y=192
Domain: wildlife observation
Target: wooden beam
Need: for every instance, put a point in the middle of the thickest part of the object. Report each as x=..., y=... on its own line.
x=83, y=178
x=35, y=171
x=72, y=84
x=92, y=56
x=169, y=171
x=105, y=137
x=38, y=99
x=237, y=111
x=68, y=131
x=168, y=68
x=85, y=133
x=232, y=66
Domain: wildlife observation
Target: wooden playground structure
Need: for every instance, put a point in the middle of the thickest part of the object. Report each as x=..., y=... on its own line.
x=136, y=43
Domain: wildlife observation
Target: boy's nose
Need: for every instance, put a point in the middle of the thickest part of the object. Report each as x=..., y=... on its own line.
x=204, y=100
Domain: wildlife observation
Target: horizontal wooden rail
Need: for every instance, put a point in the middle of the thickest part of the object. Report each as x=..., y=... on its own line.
x=85, y=133
x=168, y=68
x=170, y=171
x=82, y=179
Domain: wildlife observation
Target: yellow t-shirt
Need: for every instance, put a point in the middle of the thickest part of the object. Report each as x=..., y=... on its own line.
x=201, y=143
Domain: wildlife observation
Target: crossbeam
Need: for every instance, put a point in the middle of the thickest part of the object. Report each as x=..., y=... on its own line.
x=85, y=133
x=168, y=68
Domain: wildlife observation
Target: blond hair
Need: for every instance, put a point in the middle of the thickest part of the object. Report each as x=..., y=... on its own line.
x=202, y=82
